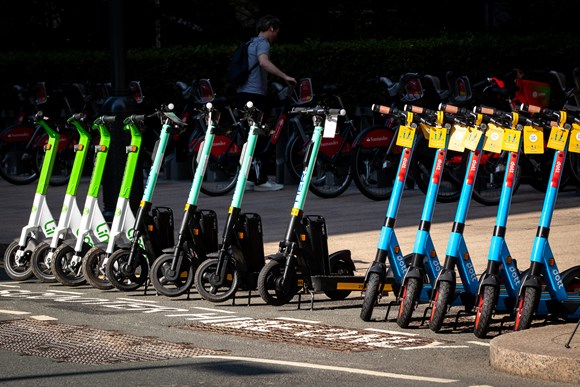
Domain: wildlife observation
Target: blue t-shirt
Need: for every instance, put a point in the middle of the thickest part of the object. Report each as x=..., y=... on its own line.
x=257, y=82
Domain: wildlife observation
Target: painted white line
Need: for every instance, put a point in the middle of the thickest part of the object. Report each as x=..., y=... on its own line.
x=334, y=368
x=43, y=318
x=15, y=312
x=391, y=332
x=214, y=310
x=223, y=319
x=297, y=320
x=65, y=292
x=136, y=301
x=9, y=286
x=479, y=343
x=436, y=345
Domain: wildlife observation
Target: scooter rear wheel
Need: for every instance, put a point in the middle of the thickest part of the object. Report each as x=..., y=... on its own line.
x=527, y=304
x=341, y=268
x=125, y=277
x=94, y=268
x=40, y=265
x=183, y=278
x=212, y=292
x=440, y=305
x=17, y=272
x=411, y=293
x=484, y=312
x=371, y=296
x=63, y=269
x=270, y=286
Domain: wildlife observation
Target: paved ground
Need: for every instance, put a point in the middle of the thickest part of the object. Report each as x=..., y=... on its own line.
x=354, y=223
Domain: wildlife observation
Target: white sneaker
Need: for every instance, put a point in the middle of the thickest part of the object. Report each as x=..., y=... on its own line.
x=249, y=186
x=268, y=186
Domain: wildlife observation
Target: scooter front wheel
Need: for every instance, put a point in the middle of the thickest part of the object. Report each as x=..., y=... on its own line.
x=172, y=284
x=371, y=296
x=440, y=305
x=411, y=293
x=206, y=285
x=270, y=286
x=40, y=263
x=66, y=271
x=17, y=271
x=484, y=312
x=125, y=276
x=94, y=268
x=527, y=304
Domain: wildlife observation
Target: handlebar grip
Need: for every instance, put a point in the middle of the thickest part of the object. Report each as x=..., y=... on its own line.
x=108, y=119
x=336, y=112
x=381, y=109
x=416, y=109
x=485, y=110
x=78, y=117
x=138, y=118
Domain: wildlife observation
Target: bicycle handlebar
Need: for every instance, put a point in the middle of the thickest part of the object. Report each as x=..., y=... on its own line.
x=319, y=111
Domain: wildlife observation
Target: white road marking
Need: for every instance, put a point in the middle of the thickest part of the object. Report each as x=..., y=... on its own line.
x=334, y=368
x=65, y=292
x=479, y=343
x=214, y=310
x=136, y=301
x=297, y=320
x=391, y=332
x=436, y=345
x=224, y=319
x=15, y=312
x=9, y=286
x=43, y=318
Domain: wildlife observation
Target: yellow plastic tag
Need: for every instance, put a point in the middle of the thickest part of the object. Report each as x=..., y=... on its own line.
x=406, y=136
x=456, y=139
x=511, y=140
x=558, y=138
x=437, y=137
x=574, y=145
x=493, y=138
x=472, y=137
x=533, y=140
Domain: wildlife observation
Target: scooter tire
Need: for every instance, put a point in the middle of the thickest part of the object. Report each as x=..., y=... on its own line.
x=172, y=287
x=440, y=305
x=126, y=278
x=94, y=268
x=40, y=265
x=484, y=311
x=371, y=297
x=411, y=293
x=209, y=292
x=527, y=304
x=269, y=281
x=60, y=266
x=14, y=271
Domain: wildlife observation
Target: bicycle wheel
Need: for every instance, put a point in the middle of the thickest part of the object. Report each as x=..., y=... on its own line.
x=484, y=312
x=374, y=171
x=440, y=305
x=212, y=292
x=574, y=163
x=340, y=268
x=330, y=180
x=65, y=270
x=127, y=277
x=94, y=268
x=17, y=164
x=269, y=283
x=223, y=166
x=172, y=284
x=451, y=181
x=294, y=155
x=490, y=177
x=411, y=293
x=17, y=271
x=371, y=297
x=40, y=263
x=527, y=304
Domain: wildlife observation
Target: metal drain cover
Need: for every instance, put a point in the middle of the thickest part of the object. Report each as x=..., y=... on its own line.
x=314, y=334
x=85, y=345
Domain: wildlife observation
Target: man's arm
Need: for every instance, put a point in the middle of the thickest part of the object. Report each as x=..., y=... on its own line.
x=270, y=67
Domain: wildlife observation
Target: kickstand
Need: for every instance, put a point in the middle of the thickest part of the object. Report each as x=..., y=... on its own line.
x=427, y=309
x=146, y=287
x=249, y=297
x=567, y=345
x=459, y=315
x=504, y=319
x=391, y=303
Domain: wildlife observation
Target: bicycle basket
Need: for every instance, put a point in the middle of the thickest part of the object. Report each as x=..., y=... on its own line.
x=204, y=91
x=533, y=92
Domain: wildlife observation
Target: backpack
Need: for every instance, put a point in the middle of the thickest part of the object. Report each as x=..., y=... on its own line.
x=239, y=70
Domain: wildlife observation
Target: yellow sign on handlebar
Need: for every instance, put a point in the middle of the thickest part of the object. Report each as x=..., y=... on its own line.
x=493, y=139
x=511, y=140
x=472, y=138
x=437, y=137
x=456, y=139
x=406, y=136
x=533, y=140
x=558, y=138
x=574, y=145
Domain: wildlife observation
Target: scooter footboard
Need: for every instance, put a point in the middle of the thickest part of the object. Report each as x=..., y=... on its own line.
x=250, y=239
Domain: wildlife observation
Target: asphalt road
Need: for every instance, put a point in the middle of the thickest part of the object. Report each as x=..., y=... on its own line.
x=48, y=330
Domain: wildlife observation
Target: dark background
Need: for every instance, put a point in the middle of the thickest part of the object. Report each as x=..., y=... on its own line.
x=73, y=25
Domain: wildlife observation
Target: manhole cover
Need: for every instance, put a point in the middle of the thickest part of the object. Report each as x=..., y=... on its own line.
x=316, y=335
x=84, y=345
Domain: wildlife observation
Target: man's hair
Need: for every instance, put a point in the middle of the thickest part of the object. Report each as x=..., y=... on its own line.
x=267, y=22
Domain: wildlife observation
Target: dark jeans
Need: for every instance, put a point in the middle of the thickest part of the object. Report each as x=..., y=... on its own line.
x=263, y=158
